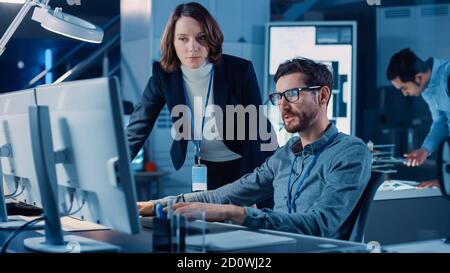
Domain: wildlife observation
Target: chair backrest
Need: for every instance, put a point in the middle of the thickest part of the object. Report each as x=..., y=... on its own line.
x=362, y=209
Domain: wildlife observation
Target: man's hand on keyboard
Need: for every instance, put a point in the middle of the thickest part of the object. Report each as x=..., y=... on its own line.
x=213, y=212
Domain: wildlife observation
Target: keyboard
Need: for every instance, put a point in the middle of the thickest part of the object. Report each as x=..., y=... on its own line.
x=19, y=208
x=237, y=240
x=146, y=221
x=195, y=227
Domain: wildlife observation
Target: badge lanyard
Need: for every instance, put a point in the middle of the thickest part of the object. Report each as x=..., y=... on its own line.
x=198, y=143
x=291, y=200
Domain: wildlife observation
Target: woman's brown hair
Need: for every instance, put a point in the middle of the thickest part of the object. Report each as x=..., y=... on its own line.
x=214, y=37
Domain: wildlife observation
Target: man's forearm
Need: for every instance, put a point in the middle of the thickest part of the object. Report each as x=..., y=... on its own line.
x=438, y=132
x=236, y=214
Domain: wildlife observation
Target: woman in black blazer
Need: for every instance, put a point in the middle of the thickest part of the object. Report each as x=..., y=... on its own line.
x=192, y=65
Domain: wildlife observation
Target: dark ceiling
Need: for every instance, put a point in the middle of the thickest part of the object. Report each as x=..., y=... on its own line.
x=99, y=11
x=279, y=7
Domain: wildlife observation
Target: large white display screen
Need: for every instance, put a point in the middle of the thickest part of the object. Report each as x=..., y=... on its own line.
x=332, y=43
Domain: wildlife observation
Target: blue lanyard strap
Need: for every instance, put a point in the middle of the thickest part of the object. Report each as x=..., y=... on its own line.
x=291, y=199
x=198, y=143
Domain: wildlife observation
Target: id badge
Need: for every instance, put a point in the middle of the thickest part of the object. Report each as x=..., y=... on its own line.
x=199, y=177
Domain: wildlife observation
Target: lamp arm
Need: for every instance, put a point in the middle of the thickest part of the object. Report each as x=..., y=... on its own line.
x=16, y=22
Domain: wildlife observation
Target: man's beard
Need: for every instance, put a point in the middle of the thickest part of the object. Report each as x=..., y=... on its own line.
x=302, y=121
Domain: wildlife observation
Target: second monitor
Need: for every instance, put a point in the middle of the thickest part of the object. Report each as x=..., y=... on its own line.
x=17, y=171
x=80, y=137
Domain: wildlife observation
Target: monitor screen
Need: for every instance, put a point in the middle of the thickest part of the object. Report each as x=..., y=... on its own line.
x=19, y=176
x=331, y=43
x=95, y=182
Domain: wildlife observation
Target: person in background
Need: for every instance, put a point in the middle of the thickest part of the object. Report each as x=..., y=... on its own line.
x=429, y=79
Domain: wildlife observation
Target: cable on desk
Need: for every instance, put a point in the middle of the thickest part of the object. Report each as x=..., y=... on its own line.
x=18, y=194
x=69, y=211
x=19, y=230
x=71, y=192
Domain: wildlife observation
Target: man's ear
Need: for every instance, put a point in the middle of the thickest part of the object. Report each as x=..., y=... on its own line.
x=324, y=95
x=418, y=79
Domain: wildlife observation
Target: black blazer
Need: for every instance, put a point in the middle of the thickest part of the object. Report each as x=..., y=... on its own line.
x=234, y=83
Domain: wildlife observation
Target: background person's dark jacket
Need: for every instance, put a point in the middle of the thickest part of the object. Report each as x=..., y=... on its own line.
x=234, y=84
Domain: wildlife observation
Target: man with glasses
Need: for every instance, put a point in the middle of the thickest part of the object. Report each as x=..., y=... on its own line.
x=316, y=179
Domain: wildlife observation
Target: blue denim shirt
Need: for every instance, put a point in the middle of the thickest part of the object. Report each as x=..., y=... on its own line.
x=328, y=195
x=436, y=95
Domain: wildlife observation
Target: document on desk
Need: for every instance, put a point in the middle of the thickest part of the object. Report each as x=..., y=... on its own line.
x=236, y=240
x=72, y=224
x=398, y=185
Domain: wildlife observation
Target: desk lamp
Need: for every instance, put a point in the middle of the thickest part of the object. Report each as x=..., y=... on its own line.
x=55, y=21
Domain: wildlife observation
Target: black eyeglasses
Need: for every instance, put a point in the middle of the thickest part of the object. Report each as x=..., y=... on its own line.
x=290, y=95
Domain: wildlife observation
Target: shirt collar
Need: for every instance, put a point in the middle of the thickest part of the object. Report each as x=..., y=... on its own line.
x=197, y=74
x=314, y=147
x=434, y=71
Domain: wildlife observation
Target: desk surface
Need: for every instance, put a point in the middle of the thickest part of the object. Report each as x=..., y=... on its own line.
x=142, y=242
x=429, y=246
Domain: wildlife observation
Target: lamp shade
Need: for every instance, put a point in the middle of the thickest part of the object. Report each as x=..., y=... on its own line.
x=67, y=25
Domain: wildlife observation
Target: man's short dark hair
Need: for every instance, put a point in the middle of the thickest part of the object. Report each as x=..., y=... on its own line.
x=315, y=73
x=405, y=65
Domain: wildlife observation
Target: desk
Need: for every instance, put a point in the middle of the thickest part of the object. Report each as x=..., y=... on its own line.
x=144, y=182
x=429, y=246
x=408, y=216
x=142, y=242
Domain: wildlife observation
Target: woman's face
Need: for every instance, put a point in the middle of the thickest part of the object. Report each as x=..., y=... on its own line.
x=190, y=42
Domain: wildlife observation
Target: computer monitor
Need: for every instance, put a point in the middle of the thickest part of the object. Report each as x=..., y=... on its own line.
x=443, y=166
x=17, y=169
x=79, y=138
x=332, y=43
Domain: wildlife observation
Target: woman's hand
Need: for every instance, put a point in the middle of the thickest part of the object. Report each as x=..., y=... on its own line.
x=146, y=208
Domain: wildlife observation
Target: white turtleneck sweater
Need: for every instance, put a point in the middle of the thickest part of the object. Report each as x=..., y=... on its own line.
x=196, y=83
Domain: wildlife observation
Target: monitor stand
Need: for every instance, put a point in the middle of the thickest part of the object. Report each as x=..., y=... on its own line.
x=71, y=244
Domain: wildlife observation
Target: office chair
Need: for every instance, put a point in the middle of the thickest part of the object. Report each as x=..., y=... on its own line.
x=362, y=209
